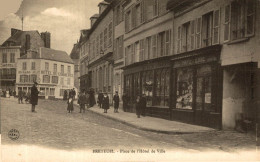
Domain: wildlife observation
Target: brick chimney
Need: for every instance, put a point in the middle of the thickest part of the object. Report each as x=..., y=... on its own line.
x=13, y=31
x=46, y=37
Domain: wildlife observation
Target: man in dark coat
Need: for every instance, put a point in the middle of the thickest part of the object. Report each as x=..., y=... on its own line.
x=65, y=95
x=138, y=106
x=20, y=96
x=100, y=99
x=73, y=92
x=34, y=96
x=82, y=102
x=116, y=102
x=125, y=101
x=92, y=100
x=105, y=104
x=143, y=105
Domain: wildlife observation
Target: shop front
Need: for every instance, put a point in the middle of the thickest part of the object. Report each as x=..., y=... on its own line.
x=197, y=87
x=151, y=78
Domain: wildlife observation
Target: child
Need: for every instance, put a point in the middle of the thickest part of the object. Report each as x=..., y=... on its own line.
x=70, y=104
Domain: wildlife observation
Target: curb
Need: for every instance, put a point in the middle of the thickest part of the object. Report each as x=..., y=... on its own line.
x=143, y=128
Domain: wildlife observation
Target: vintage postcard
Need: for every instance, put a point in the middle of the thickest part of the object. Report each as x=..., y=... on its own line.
x=130, y=80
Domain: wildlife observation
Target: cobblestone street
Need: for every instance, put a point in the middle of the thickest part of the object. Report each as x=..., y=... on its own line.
x=52, y=127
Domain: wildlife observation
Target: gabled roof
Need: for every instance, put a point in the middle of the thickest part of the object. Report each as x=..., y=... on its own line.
x=50, y=54
x=17, y=37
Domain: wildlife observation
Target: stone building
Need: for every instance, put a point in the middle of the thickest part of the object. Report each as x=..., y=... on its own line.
x=216, y=63
x=13, y=48
x=52, y=69
x=74, y=55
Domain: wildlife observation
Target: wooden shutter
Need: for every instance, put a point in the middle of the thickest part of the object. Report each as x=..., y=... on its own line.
x=216, y=19
x=192, y=35
x=198, y=33
x=250, y=17
x=167, y=42
x=227, y=23
x=179, y=40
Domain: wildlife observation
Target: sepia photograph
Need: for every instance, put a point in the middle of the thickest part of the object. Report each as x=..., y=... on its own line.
x=129, y=80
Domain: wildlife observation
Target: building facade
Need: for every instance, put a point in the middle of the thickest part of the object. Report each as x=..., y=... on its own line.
x=13, y=48
x=74, y=55
x=216, y=63
x=52, y=69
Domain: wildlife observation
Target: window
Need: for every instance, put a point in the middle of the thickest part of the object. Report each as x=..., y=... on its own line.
x=101, y=41
x=138, y=14
x=216, y=27
x=142, y=50
x=149, y=9
x=69, y=70
x=192, y=35
x=62, y=81
x=137, y=52
x=55, y=68
x=46, y=66
x=133, y=18
x=46, y=79
x=128, y=21
x=12, y=58
x=33, y=78
x=33, y=66
x=148, y=53
x=155, y=8
x=198, y=33
x=119, y=48
x=239, y=19
x=24, y=66
x=110, y=34
x=54, y=79
x=105, y=38
x=207, y=29
x=97, y=48
x=52, y=91
x=132, y=54
x=184, y=88
x=68, y=81
x=4, y=58
x=168, y=42
x=62, y=69
x=24, y=78
x=154, y=46
x=185, y=37
x=179, y=40
x=161, y=44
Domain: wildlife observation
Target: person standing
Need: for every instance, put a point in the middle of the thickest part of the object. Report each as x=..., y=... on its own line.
x=73, y=93
x=92, y=101
x=20, y=96
x=105, y=104
x=65, y=95
x=116, y=102
x=125, y=101
x=70, y=107
x=100, y=98
x=82, y=101
x=34, y=96
x=138, y=106
x=143, y=105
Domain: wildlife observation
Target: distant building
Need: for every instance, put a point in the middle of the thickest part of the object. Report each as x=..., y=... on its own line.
x=74, y=55
x=13, y=48
x=52, y=69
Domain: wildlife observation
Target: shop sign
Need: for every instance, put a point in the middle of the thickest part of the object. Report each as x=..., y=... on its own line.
x=46, y=72
x=8, y=65
x=24, y=72
x=194, y=61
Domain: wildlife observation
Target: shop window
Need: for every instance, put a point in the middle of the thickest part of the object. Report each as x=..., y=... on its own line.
x=184, y=88
x=46, y=79
x=52, y=91
x=4, y=58
x=54, y=79
x=204, y=86
x=207, y=29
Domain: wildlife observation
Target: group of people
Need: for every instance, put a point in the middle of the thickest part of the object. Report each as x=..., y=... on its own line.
x=103, y=101
x=24, y=95
x=72, y=93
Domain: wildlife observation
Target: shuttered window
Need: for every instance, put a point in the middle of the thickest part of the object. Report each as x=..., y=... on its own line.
x=216, y=27
x=227, y=23
x=198, y=33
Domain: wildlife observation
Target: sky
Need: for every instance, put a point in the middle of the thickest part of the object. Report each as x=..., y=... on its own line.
x=62, y=18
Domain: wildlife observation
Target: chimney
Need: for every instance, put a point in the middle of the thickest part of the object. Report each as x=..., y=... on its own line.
x=93, y=19
x=27, y=42
x=13, y=31
x=46, y=37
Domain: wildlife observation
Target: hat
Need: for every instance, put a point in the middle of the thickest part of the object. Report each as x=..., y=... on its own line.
x=35, y=82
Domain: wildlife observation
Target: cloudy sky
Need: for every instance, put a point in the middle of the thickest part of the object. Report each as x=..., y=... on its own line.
x=62, y=18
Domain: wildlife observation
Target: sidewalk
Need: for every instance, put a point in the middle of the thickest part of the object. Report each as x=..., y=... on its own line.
x=150, y=123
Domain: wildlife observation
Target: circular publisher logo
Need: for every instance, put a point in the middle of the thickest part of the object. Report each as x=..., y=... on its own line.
x=13, y=134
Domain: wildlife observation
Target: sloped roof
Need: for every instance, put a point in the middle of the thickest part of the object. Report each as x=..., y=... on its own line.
x=95, y=16
x=17, y=37
x=74, y=54
x=50, y=54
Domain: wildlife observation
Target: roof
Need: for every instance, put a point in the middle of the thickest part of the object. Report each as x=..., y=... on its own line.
x=95, y=16
x=74, y=54
x=103, y=2
x=17, y=37
x=51, y=54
